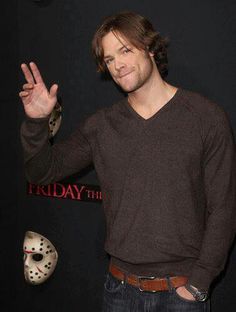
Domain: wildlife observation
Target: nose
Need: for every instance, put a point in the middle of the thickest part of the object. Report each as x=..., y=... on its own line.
x=119, y=64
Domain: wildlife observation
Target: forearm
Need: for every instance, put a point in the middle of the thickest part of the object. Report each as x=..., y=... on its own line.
x=46, y=163
x=218, y=238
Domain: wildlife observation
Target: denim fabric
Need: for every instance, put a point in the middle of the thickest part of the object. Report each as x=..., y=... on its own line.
x=122, y=297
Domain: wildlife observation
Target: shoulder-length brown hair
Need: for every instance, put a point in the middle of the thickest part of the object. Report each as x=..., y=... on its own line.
x=139, y=31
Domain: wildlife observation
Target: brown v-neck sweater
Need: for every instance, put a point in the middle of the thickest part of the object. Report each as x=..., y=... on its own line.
x=169, y=182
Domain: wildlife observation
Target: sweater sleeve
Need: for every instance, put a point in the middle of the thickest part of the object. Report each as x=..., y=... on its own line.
x=45, y=163
x=220, y=188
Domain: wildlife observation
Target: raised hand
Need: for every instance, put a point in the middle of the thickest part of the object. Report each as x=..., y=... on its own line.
x=37, y=100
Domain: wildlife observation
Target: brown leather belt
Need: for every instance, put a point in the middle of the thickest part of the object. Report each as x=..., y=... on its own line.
x=148, y=283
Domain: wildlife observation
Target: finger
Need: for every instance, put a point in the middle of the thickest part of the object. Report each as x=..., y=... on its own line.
x=36, y=73
x=28, y=86
x=27, y=73
x=53, y=90
x=23, y=93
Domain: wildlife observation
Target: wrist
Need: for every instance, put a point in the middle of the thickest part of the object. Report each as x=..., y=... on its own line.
x=38, y=118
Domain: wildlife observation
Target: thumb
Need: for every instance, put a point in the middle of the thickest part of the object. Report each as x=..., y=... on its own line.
x=53, y=90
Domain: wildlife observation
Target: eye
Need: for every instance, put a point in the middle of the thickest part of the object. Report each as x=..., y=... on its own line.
x=108, y=61
x=37, y=257
x=126, y=50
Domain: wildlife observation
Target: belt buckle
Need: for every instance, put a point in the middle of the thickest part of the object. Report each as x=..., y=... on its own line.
x=140, y=278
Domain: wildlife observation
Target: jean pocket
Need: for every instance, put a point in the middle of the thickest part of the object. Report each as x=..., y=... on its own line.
x=112, y=285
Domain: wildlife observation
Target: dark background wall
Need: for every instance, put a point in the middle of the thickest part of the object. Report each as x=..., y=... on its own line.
x=8, y=154
x=57, y=36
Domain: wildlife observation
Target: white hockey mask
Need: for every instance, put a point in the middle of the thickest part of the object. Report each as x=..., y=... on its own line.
x=40, y=258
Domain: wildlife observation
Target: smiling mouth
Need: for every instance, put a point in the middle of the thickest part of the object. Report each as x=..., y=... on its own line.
x=126, y=74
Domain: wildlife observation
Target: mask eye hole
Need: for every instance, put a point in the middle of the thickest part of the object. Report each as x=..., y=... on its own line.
x=37, y=257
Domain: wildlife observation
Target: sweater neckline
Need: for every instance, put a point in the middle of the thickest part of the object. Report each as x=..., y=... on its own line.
x=164, y=108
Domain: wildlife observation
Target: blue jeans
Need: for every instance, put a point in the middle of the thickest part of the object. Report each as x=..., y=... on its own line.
x=122, y=297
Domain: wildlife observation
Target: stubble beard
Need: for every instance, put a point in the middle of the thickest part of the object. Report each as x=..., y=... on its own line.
x=139, y=80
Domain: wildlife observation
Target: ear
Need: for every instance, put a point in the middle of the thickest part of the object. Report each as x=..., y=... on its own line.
x=151, y=53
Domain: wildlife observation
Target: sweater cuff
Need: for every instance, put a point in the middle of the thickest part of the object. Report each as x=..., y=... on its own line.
x=200, y=278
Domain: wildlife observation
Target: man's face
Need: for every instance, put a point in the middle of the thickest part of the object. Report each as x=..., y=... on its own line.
x=130, y=67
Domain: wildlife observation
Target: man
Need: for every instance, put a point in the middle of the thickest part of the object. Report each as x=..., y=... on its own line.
x=165, y=159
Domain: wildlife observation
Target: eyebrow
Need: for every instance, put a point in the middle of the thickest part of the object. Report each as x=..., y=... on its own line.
x=123, y=46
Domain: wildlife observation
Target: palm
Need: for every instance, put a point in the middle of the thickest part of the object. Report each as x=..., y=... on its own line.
x=34, y=103
x=37, y=101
